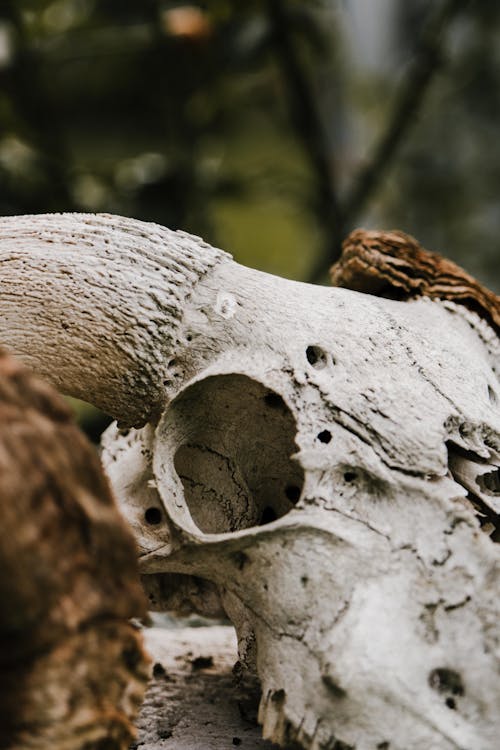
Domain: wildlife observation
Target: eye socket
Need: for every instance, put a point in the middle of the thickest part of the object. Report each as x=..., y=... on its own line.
x=234, y=454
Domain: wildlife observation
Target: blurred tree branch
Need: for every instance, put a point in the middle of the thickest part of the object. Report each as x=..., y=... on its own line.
x=339, y=215
x=32, y=105
x=115, y=107
x=306, y=120
x=429, y=58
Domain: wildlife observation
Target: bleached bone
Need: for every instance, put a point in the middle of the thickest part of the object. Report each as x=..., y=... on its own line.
x=293, y=452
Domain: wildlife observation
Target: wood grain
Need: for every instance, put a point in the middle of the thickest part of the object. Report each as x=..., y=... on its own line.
x=393, y=264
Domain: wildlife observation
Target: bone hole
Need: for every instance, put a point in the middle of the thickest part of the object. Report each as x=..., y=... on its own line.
x=325, y=436
x=490, y=482
x=492, y=395
x=153, y=516
x=234, y=460
x=448, y=682
x=316, y=356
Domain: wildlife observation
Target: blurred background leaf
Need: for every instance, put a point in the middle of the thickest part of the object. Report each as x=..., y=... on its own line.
x=270, y=127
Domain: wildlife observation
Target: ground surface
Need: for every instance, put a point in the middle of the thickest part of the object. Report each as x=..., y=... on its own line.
x=192, y=702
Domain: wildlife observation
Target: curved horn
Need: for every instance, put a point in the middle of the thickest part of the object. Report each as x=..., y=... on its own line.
x=93, y=303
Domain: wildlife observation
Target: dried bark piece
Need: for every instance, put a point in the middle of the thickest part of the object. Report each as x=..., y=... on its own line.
x=394, y=265
x=72, y=666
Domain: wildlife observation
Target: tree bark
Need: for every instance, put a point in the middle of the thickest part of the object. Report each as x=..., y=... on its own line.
x=72, y=666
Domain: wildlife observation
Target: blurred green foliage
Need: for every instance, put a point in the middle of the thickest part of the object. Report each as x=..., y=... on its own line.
x=253, y=123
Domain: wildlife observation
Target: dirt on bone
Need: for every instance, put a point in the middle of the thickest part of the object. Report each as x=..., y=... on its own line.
x=68, y=580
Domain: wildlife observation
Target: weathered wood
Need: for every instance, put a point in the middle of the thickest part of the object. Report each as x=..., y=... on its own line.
x=72, y=668
x=394, y=265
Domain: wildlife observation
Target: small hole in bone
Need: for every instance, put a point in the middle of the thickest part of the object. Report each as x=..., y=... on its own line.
x=451, y=703
x=153, y=516
x=325, y=436
x=240, y=560
x=278, y=696
x=268, y=516
x=492, y=395
x=316, y=357
x=446, y=680
x=159, y=670
x=337, y=692
x=350, y=476
x=292, y=492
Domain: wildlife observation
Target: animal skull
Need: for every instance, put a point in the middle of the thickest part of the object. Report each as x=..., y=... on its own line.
x=295, y=456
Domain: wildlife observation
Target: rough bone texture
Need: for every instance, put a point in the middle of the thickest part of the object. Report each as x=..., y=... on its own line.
x=313, y=460
x=97, y=308
x=72, y=667
x=367, y=606
x=394, y=265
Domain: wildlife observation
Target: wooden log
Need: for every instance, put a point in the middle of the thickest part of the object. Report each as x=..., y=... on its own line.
x=72, y=666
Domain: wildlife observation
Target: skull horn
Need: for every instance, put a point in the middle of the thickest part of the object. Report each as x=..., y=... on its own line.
x=94, y=302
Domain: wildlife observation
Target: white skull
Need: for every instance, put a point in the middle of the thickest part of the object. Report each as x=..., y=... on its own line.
x=296, y=456
x=302, y=467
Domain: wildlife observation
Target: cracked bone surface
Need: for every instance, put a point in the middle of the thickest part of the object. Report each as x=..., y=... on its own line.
x=314, y=461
